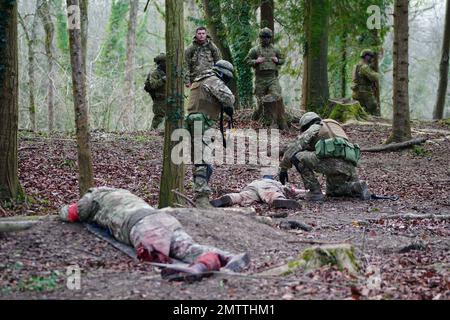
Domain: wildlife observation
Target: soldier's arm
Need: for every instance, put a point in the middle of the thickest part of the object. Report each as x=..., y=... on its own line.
x=217, y=55
x=369, y=73
x=156, y=80
x=281, y=58
x=251, y=57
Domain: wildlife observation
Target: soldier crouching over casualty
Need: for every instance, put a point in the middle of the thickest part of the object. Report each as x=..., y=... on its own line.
x=156, y=236
x=265, y=190
x=324, y=147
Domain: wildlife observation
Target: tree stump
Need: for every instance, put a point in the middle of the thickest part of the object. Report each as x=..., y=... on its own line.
x=344, y=110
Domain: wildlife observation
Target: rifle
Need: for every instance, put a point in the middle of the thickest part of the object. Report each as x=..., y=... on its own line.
x=230, y=126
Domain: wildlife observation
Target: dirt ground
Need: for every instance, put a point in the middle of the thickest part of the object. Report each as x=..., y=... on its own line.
x=33, y=263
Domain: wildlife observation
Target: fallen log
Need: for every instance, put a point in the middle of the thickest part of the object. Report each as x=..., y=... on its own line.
x=14, y=226
x=396, y=146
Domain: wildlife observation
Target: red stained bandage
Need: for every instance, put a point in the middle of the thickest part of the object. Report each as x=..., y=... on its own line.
x=73, y=213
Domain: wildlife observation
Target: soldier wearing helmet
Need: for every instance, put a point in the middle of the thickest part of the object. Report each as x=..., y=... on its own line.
x=266, y=60
x=155, y=85
x=341, y=176
x=209, y=99
x=365, y=80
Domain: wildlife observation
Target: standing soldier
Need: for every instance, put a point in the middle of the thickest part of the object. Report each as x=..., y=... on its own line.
x=155, y=85
x=365, y=81
x=342, y=179
x=266, y=60
x=210, y=99
x=200, y=56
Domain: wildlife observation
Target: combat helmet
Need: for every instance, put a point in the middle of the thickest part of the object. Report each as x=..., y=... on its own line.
x=224, y=67
x=266, y=32
x=160, y=58
x=309, y=119
x=366, y=52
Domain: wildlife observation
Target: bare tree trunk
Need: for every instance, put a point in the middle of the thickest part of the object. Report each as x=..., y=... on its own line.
x=218, y=32
x=443, y=70
x=401, y=127
x=130, y=99
x=315, y=80
x=86, y=179
x=267, y=14
x=31, y=37
x=9, y=92
x=84, y=12
x=44, y=14
x=344, y=65
x=173, y=176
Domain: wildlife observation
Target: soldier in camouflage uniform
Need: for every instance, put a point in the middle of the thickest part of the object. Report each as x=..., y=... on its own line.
x=266, y=60
x=265, y=190
x=155, y=85
x=365, y=80
x=200, y=56
x=342, y=179
x=155, y=234
x=210, y=98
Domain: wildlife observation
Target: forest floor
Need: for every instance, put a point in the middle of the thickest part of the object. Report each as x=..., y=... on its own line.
x=33, y=263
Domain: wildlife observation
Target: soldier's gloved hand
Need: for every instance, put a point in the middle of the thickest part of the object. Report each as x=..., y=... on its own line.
x=229, y=111
x=284, y=177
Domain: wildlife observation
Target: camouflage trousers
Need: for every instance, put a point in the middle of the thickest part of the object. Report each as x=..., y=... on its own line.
x=266, y=86
x=368, y=102
x=159, y=111
x=202, y=172
x=162, y=233
x=251, y=194
x=339, y=174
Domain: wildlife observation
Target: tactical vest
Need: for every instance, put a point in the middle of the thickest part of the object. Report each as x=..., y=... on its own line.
x=331, y=129
x=268, y=66
x=157, y=94
x=360, y=82
x=200, y=101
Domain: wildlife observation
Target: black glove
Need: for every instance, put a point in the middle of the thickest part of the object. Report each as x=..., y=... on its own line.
x=284, y=177
x=229, y=111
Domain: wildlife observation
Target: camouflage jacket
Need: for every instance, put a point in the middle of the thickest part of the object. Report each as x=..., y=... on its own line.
x=200, y=57
x=268, y=66
x=364, y=77
x=209, y=94
x=155, y=84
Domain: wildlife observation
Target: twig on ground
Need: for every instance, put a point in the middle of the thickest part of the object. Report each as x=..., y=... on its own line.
x=410, y=216
x=319, y=242
x=179, y=194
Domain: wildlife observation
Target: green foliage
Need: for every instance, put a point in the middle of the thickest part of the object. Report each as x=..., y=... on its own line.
x=40, y=284
x=113, y=54
x=421, y=151
x=62, y=36
x=241, y=32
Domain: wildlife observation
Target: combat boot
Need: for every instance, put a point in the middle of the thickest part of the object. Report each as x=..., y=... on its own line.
x=238, y=262
x=361, y=189
x=202, y=202
x=285, y=204
x=222, y=202
x=315, y=196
